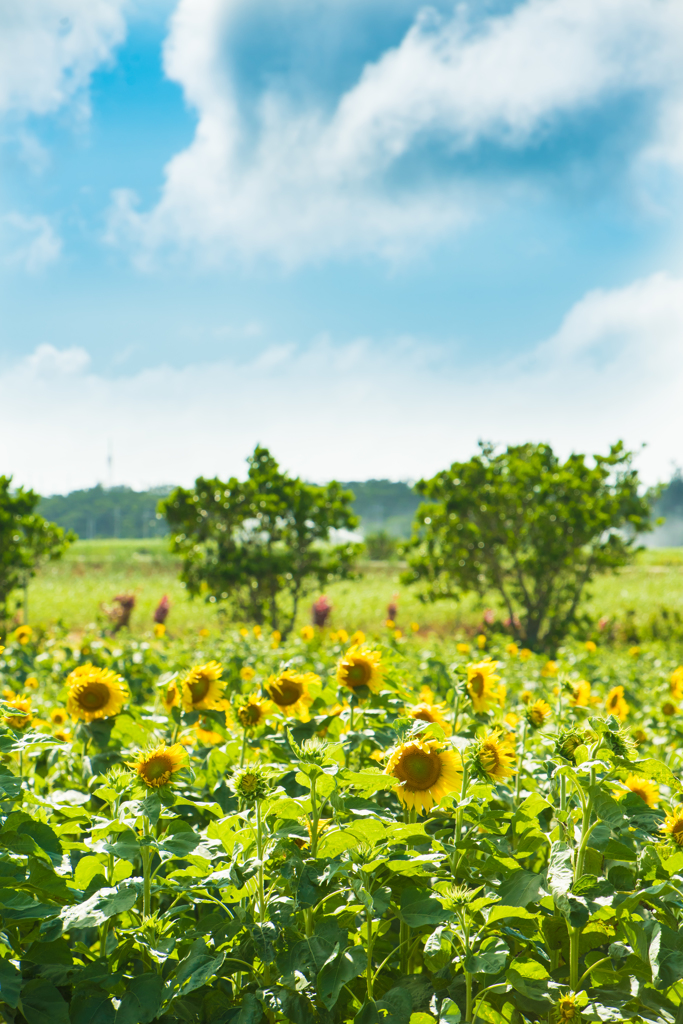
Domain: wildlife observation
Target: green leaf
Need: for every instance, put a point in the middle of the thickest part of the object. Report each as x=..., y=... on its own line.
x=422, y=1018
x=520, y=888
x=419, y=907
x=490, y=960
x=334, y=843
x=657, y=771
x=100, y=907
x=560, y=871
x=196, y=970
x=141, y=1000
x=86, y=869
x=20, y=906
x=394, y=1007
x=338, y=970
x=42, y=1003
x=10, y=784
x=10, y=983
x=180, y=839
x=529, y=978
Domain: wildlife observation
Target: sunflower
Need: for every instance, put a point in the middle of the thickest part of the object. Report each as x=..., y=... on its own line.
x=426, y=772
x=360, y=666
x=669, y=708
x=615, y=703
x=95, y=693
x=157, y=766
x=307, y=633
x=537, y=713
x=676, y=683
x=206, y=735
x=23, y=634
x=247, y=673
x=581, y=693
x=480, y=679
x=646, y=790
x=20, y=721
x=566, y=1010
x=170, y=696
x=31, y=683
x=202, y=688
x=493, y=757
x=58, y=717
x=591, y=646
x=463, y=648
x=159, y=630
x=525, y=654
x=428, y=712
x=549, y=669
x=673, y=825
x=512, y=650
x=63, y=735
x=289, y=691
x=254, y=712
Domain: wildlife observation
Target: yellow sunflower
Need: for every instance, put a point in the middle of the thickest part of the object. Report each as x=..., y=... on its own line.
x=254, y=712
x=202, y=688
x=170, y=696
x=307, y=633
x=428, y=712
x=591, y=646
x=525, y=654
x=646, y=790
x=669, y=708
x=156, y=767
x=566, y=1010
x=20, y=721
x=581, y=693
x=673, y=826
x=549, y=669
x=480, y=679
x=23, y=634
x=63, y=735
x=360, y=666
x=426, y=772
x=31, y=683
x=95, y=693
x=537, y=713
x=512, y=650
x=615, y=703
x=463, y=648
x=494, y=756
x=58, y=717
x=247, y=673
x=676, y=683
x=289, y=691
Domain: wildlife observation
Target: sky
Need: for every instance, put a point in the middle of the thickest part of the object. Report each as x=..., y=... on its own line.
x=365, y=233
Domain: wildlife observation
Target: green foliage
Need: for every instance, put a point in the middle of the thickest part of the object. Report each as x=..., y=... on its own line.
x=261, y=540
x=107, y=511
x=380, y=546
x=26, y=539
x=529, y=527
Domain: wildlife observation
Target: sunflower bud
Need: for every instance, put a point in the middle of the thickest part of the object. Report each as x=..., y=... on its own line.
x=537, y=713
x=251, y=784
x=567, y=743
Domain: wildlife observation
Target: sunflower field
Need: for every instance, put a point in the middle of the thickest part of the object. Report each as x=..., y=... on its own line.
x=334, y=829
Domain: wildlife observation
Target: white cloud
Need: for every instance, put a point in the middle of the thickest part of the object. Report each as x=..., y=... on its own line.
x=613, y=369
x=29, y=242
x=313, y=183
x=50, y=48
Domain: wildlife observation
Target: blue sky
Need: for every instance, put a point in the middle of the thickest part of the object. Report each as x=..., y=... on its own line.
x=363, y=233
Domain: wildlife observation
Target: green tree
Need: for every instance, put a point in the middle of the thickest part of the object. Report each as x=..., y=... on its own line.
x=26, y=540
x=529, y=527
x=262, y=542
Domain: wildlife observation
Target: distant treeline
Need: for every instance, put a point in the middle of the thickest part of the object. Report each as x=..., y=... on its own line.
x=383, y=506
x=103, y=512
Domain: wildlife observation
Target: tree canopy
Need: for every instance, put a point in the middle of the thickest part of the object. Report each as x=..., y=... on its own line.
x=263, y=542
x=529, y=527
x=26, y=539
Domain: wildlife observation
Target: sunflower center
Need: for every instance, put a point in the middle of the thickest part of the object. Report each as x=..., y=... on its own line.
x=286, y=692
x=420, y=770
x=677, y=831
x=490, y=758
x=639, y=791
x=478, y=683
x=251, y=714
x=157, y=768
x=358, y=674
x=423, y=715
x=93, y=696
x=199, y=688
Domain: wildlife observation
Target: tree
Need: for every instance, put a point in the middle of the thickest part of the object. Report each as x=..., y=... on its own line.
x=262, y=542
x=531, y=528
x=26, y=540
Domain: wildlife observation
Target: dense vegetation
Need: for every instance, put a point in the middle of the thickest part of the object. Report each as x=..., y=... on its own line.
x=229, y=829
x=99, y=512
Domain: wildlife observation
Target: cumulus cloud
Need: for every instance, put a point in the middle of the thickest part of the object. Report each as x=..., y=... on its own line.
x=614, y=368
x=31, y=243
x=49, y=49
x=306, y=182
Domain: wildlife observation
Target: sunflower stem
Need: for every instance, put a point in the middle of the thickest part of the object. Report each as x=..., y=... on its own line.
x=259, y=853
x=146, y=879
x=315, y=814
x=244, y=748
x=518, y=784
x=370, y=979
x=461, y=810
x=456, y=706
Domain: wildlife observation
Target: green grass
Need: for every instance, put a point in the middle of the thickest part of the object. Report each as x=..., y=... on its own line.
x=93, y=572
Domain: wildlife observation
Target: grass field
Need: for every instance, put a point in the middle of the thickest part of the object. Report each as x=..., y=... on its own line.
x=94, y=572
